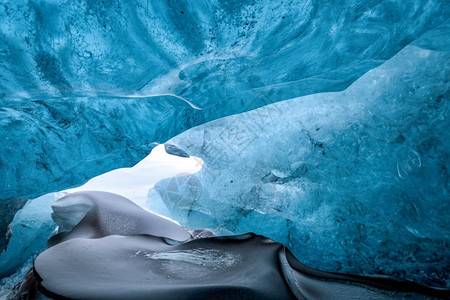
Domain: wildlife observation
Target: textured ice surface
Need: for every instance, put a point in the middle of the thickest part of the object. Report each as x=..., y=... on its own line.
x=353, y=181
x=30, y=230
x=49, y=145
x=76, y=77
x=8, y=208
x=7, y=284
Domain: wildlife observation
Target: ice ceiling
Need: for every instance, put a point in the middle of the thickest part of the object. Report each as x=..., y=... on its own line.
x=88, y=86
x=351, y=172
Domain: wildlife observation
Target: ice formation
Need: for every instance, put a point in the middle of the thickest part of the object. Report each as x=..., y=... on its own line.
x=30, y=229
x=353, y=181
x=33, y=224
x=134, y=183
x=87, y=86
x=218, y=268
x=99, y=214
x=322, y=126
x=124, y=263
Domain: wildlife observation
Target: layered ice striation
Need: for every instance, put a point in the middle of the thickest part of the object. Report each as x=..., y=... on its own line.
x=354, y=181
x=51, y=144
x=87, y=86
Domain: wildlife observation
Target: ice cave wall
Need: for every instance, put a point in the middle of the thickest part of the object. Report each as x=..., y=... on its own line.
x=354, y=181
x=76, y=76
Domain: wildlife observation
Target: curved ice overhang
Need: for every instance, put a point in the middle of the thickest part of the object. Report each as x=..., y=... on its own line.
x=72, y=75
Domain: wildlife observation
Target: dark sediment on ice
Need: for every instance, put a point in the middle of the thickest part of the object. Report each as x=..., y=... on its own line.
x=127, y=264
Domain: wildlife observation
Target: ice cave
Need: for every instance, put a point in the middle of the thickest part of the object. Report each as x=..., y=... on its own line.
x=224, y=149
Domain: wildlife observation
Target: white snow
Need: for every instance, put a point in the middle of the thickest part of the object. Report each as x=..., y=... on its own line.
x=134, y=183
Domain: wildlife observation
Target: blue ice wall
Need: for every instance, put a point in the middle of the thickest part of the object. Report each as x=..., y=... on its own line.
x=50, y=144
x=354, y=181
x=76, y=76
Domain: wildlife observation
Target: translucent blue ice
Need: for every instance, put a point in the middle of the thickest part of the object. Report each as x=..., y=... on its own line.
x=31, y=228
x=76, y=76
x=351, y=173
x=353, y=181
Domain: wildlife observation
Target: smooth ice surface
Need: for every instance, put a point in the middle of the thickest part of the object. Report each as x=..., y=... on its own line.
x=87, y=86
x=143, y=266
x=353, y=181
x=33, y=225
x=97, y=214
x=220, y=268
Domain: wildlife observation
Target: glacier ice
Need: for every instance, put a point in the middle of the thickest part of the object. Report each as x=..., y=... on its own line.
x=31, y=227
x=49, y=145
x=135, y=182
x=8, y=208
x=351, y=173
x=87, y=87
x=353, y=181
x=245, y=266
x=33, y=224
x=123, y=263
